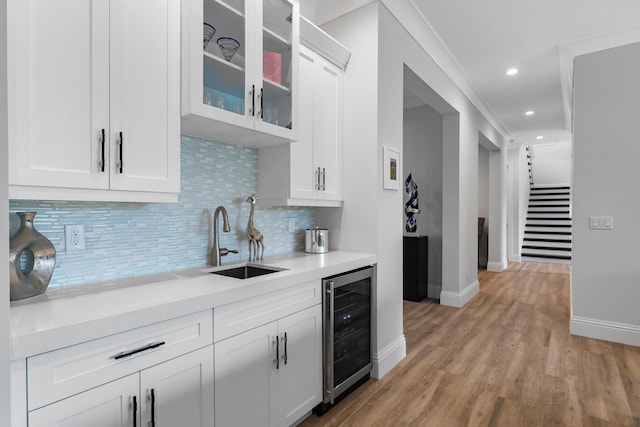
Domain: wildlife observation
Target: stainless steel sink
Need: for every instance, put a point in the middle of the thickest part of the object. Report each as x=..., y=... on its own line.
x=245, y=271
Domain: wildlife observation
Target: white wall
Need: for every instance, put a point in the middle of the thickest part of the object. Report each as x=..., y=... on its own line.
x=483, y=182
x=518, y=194
x=460, y=150
x=4, y=227
x=552, y=164
x=374, y=79
x=355, y=226
x=423, y=159
x=605, y=286
x=483, y=203
x=498, y=210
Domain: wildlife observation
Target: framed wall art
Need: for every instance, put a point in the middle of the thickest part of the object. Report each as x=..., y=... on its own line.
x=391, y=169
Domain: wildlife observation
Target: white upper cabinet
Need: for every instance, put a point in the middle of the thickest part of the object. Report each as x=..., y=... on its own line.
x=242, y=87
x=309, y=172
x=94, y=92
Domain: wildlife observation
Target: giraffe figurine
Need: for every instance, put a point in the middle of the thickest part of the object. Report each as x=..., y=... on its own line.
x=256, y=240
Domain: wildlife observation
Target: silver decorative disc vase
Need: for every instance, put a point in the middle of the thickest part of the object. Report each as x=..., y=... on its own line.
x=32, y=258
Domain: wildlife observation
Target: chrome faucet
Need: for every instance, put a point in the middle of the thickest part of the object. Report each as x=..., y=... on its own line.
x=217, y=252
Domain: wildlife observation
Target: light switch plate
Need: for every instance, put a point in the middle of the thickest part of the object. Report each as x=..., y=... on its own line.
x=292, y=225
x=601, y=222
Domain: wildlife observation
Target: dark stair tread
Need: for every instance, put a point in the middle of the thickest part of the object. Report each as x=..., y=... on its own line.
x=551, y=233
x=548, y=206
x=550, y=188
x=542, y=218
x=548, y=225
x=547, y=212
x=547, y=256
x=549, y=199
x=537, y=239
x=550, y=193
x=546, y=248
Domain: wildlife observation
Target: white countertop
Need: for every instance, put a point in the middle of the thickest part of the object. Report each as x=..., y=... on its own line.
x=68, y=316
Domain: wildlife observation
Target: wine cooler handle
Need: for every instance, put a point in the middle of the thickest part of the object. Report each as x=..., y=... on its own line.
x=332, y=328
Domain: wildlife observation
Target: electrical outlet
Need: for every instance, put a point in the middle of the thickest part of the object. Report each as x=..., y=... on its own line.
x=74, y=236
x=292, y=225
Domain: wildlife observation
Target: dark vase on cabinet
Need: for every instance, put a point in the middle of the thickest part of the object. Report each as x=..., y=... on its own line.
x=414, y=281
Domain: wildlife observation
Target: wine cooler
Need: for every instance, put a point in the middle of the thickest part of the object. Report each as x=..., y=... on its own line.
x=347, y=330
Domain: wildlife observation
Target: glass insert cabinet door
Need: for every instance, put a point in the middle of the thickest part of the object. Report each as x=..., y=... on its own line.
x=249, y=67
x=277, y=56
x=225, y=55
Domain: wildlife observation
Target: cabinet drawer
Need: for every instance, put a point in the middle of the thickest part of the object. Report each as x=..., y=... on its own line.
x=241, y=316
x=61, y=373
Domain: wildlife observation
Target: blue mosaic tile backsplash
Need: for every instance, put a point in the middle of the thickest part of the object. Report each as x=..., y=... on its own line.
x=132, y=239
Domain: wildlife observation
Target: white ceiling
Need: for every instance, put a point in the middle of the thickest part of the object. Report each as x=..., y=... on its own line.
x=539, y=38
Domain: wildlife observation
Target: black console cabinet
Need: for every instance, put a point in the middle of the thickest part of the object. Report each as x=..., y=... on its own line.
x=414, y=281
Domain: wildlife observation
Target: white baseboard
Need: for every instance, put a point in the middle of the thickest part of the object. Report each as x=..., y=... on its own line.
x=515, y=258
x=385, y=359
x=497, y=266
x=433, y=291
x=459, y=299
x=603, y=330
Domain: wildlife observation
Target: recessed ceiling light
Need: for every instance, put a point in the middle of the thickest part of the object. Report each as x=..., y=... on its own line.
x=512, y=71
x=539, y=137
x=529, y=113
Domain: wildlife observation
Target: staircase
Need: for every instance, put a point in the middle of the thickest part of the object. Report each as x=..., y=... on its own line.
x=547, y=234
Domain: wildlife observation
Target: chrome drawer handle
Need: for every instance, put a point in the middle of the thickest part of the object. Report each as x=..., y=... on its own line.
x=128, y=353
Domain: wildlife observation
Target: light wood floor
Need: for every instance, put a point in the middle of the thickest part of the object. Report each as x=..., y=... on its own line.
x=505, y=359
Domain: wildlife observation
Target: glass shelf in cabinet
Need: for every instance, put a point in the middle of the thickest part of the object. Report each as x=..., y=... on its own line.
x=220, y=75
x=277, y=18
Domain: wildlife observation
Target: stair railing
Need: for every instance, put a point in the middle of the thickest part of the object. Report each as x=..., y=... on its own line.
x=530, y=163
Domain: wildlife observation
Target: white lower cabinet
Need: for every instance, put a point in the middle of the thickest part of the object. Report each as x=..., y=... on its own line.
x=109, y=405
x=179, y=392
x=159, y=375
x=173, y=393
x=272, y=374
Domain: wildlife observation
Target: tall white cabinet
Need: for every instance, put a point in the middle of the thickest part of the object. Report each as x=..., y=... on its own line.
x=94, y=92
x=309, y=172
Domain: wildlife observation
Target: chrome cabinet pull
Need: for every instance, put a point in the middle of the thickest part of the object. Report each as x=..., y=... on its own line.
x=261, y=96
x=128, y=353
x=277, y=339
x=153, y=408
x=120, y=149
x=285, y=348
x=135, y=411
x=324, y=181
x=318, y=178
x=102, y=142
x=253, y=100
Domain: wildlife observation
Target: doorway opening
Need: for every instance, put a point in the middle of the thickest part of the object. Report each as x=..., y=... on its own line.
x=426, y=127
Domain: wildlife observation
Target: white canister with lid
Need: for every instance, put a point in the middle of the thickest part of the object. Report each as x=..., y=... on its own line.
x=316, y=240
